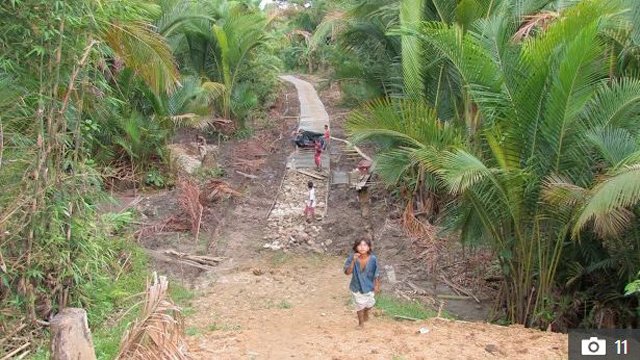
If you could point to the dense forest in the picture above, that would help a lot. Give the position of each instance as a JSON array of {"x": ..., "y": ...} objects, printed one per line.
[{"x": 509, "y": 125}]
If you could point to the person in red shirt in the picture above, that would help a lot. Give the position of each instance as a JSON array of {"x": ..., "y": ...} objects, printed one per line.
[{"x": 317, "y": 157}]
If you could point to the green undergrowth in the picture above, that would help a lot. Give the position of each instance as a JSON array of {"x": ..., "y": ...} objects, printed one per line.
[
  {"x": 394, "y": 308},
  {"x": 112, "y": 298}
]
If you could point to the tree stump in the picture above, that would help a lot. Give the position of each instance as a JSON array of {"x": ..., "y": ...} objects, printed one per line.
[{"x": 70, "y": 336}]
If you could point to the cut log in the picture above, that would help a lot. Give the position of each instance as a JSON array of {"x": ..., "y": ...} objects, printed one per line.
[{"x": 70, "y": 336}]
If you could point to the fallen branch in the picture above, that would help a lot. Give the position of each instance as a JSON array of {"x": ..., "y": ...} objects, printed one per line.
[
  {"x": 252, "y": 177},
  {"x": 16, "y": 351},
  {"x": 275, "y": 199},
  {"x": 160, "y": 256},
  {"x": 315, "y": 176},
  {"x": 459, "y": 289},
  {"x": 200, "y": 259},
  {"x": 158, "y": 333},
  {"x": 354, "y": 147},
  {"x": 405, "y": 318},
  {"x": 453, "y": 297},
  {"x": 416, "y": 288},
  {"x": 215, "y": 189},
  {"x": 189, "y": 200}
]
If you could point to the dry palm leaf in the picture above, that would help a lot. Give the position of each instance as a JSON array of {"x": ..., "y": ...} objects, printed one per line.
[
  {"x": 158, "y": 333},
  {"x": 415, "y": 228},
  {"x": 541, "y": 20},
  {"x": 189, "y": 201},
  {"x": 216, "y": 190}
]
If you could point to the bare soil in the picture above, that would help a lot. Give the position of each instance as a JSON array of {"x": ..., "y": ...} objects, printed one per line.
[
  {"x": 261, "y": 304},
  {"x": 297, "y": 307}
]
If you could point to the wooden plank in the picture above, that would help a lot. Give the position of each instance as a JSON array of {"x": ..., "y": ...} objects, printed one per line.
[
  {"x": 354, "y": 147},
  {"x": 315, "y": 176}
]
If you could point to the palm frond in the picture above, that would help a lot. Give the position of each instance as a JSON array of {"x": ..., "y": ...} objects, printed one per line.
[
  {"x": 616, "y": 105},
  {"x": 158, "y": 333},
  {"x": 608, "y": 202},
  {"x": 462, "y": 170},
  {"x": 143, "y": 50}
]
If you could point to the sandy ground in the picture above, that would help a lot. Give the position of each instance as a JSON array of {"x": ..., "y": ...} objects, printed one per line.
[{"x": 297, "y": 308}]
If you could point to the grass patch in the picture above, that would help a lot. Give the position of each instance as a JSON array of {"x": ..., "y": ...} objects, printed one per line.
[
  {"x": 193, "y": 331},
  {"x": 223, "y": 327},
  {"x": 279, "y": 258},
  {"x": 284, "y": 304},
  {"x": 392, "y": 306}
]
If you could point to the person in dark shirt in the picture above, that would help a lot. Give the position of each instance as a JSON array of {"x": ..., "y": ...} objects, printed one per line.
[{"x": 362, "y": 265}]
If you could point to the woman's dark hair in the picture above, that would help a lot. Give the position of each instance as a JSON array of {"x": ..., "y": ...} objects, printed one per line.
[
  {"x": 368, "y": 241},
  {"x": 310, "y": 184}
]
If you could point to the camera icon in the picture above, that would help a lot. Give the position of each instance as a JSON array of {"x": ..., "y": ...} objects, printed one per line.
[{"x": 593, "y": 346}]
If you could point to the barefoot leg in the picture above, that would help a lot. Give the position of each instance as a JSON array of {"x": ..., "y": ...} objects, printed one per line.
[
  {"x": 365, "y": 315},
  {"x": 360, "y": 318}
]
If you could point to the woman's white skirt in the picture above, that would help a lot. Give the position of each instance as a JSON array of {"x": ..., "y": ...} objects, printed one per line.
[{"x": 363, "y": 301}]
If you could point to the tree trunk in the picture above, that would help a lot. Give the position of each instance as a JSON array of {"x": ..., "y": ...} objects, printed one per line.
[{"x": 70, "y": 336}]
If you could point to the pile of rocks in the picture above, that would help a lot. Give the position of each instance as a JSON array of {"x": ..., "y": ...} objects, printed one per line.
[{"x": 286, "y": 226}]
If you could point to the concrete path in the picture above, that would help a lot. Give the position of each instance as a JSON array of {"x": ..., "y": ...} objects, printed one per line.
[
  {"x": 313, "y": 117},
  {"x": 286, "y": 226}
]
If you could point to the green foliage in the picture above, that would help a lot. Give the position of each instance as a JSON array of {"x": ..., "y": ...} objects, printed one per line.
[
  {"x": 392, "y": 306},
  {"x": 633, "y": 288},
  {"x": 90, "y": 87},
  {"x": 546, "y": 170},
  {"x": 154, "y": 178}
]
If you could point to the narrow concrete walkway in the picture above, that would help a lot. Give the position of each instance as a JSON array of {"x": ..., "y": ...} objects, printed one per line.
[
  {"x": 285, "y": 224},
  {"x": 313, "y": 116}
]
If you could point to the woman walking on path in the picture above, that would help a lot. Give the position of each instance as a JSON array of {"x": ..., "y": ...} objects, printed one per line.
[{"x": 362, "y": 265}]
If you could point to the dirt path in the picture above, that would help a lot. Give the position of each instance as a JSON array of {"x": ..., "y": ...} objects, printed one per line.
[
  {"x": 296, "y": 307},
  {"x": 262, "y": 304}
]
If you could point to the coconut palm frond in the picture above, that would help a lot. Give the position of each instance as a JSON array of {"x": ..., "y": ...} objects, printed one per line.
[
  {"x": 461, "y": 170},
  {"x": 158, "y": 333},
  {"x": 143, "y": 50},
  {"x": 616, "y": 105},
  {"x": 608, "y": 202},
  {"x": 612, "y": 144},
  {"x": 560, "y": 191}
]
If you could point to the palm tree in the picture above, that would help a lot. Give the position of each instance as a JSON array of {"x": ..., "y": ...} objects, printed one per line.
[
  {"x": 547, "y": 107},
  {"x": 218, "y": 48}
]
